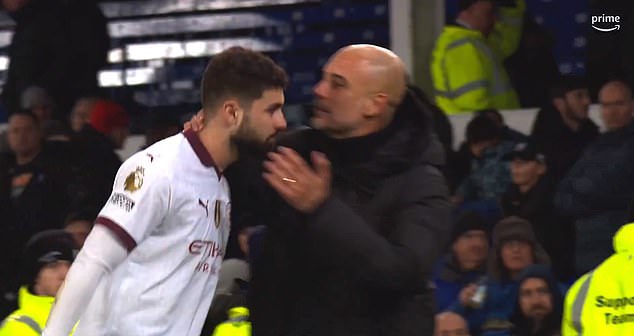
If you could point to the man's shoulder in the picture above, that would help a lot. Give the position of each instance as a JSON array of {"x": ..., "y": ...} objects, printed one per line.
[
  {"x": 158, "y": 160},
  {"x": 454, "y": 34}
]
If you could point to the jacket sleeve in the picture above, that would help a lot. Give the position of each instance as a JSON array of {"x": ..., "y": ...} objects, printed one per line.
[
  {"x": 399, "y": 261},
  {"x": 507, "y": 33}
]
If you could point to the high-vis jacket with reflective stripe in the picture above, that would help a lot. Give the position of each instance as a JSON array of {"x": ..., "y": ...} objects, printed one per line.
[
  {"x": 467, "y": 69},
  {"x": 602, "y": 301},
  {"x": 30, "y": 318}
]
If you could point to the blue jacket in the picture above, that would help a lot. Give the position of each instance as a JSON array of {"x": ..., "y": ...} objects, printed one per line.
[
  {"x": 489, "y": 176},
  {"x": 499, "y": 305},
  {"x": 596, "y": 192},
  {"x": 449, "y": 281}
]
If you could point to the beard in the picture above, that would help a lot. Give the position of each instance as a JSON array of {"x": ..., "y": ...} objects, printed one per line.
[
  {"x": 246, "y": 141},
  {"x": 538, "y": 312}
]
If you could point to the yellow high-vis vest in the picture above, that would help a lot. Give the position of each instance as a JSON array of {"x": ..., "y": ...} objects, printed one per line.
[
  {"x": 467, "y": 69},
  {"x": 237, "y": 325},
  {"x": 31, "y": 318},
  {"x": 602, "y": 301}
]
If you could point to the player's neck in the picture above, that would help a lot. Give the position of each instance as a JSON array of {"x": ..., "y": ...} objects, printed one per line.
[{"x": 218, "y": 145}]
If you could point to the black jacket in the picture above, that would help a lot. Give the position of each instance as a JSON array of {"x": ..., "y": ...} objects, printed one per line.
[
  {"x": 361, "y": 263},
  {"x": 561, "y": 145},
  {"x": 554, "y": 231}
]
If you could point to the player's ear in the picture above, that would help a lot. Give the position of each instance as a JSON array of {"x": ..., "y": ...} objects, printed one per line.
[{"x": 233, "y": 114}]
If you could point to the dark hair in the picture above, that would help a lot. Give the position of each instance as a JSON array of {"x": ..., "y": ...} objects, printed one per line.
[
  {"x": 482, "y": 128},
  {"x": 242, "y": 73},
  {"x": 567, "y": 83},
  {"x": 491, "y": 112}
]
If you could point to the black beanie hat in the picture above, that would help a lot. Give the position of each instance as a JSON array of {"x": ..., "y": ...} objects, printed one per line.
[
  {"x": 468, "y": 221},
  {"x": 44, "y": 248}
]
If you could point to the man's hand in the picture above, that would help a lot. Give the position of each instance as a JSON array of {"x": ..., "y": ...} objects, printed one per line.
[
  {"x": 195, "y": 123},
  {"x": 467, "y": 293},
  {"x": 304, "y": 187}
]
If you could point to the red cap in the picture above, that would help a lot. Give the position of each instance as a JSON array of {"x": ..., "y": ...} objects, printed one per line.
[{"x": 107, "y": 115}]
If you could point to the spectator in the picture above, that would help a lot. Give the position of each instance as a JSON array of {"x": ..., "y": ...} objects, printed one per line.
[
  {"x": 539, "y": 304},
  {"x": 32, "y": 193},
  {"x": 507, "y": 132},
  {"x": 562, "y": 129},
  {"x": 37, "y": 101},
  {"x": 514, "y": 248},
  {"x": 466, "y": 68},
  {"x": 465, "y": 264},
  {"x": 352, "y": 259},
  {"x": 459, "y": 163},
  {"x": 450, "y": 324},
  {"x": 97, "y": 160},
  {"x": 80, "y": 115},
  {"x": 47, "y": 258},
  {"x": 597, "y": 189},
  {"x": 79, "y": 224},
  {"x": 489, "y": 176},
  {"x": 531, "y": 197}
]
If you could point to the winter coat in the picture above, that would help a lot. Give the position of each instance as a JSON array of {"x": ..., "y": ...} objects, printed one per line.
[
  {"x": 361, "y": 263},
  {"x": 596, "y": 192}
]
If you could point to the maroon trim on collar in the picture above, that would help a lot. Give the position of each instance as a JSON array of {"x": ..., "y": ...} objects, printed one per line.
[
  {"x": 200, "y": 150},
  {"x": 118, "y": 231}
]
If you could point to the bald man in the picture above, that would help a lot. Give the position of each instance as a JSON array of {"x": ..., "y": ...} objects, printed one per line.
[
  {"x": 617, "y": 107},
  {"x": 357, "y": 211},
  {"x": 597, "y": 190},
  {"x": 450, "y": 324}
]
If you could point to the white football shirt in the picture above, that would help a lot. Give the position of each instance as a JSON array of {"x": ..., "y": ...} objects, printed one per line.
[{"x": 170, "y": 207}]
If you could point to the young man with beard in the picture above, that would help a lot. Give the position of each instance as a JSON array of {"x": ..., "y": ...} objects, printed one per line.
[
  {"x": 150, "y": 265},
  {"x": 539, "y": 303},
  {"x": 562, "y": 130}
]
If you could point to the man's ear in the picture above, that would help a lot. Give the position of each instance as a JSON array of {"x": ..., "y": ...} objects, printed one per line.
[
  {"x": 233, "y": 113},
  {"x": 377, "y": 103}
]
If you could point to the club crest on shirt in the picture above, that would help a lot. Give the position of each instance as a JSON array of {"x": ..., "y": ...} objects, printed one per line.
[
  {"x": 134, "y": 181},
  {"x": 217, "y": 214}
]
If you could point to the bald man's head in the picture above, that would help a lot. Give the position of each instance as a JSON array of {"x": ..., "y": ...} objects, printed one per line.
[
  {"x": 383, "y": 66},
  {"x": 361, "y": 86},
  {"x": 450, "y": 323},
  {"x": 617, "y": 107}
]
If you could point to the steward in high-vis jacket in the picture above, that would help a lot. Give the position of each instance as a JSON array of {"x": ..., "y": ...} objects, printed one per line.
[
  {"x": 602, "y": 301},
  {"x": 237, "y": 325},
  {"x": 467, "y": 61}
]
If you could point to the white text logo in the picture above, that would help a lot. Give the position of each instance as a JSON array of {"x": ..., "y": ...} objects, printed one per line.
[{"x": 610, "y": 19}]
